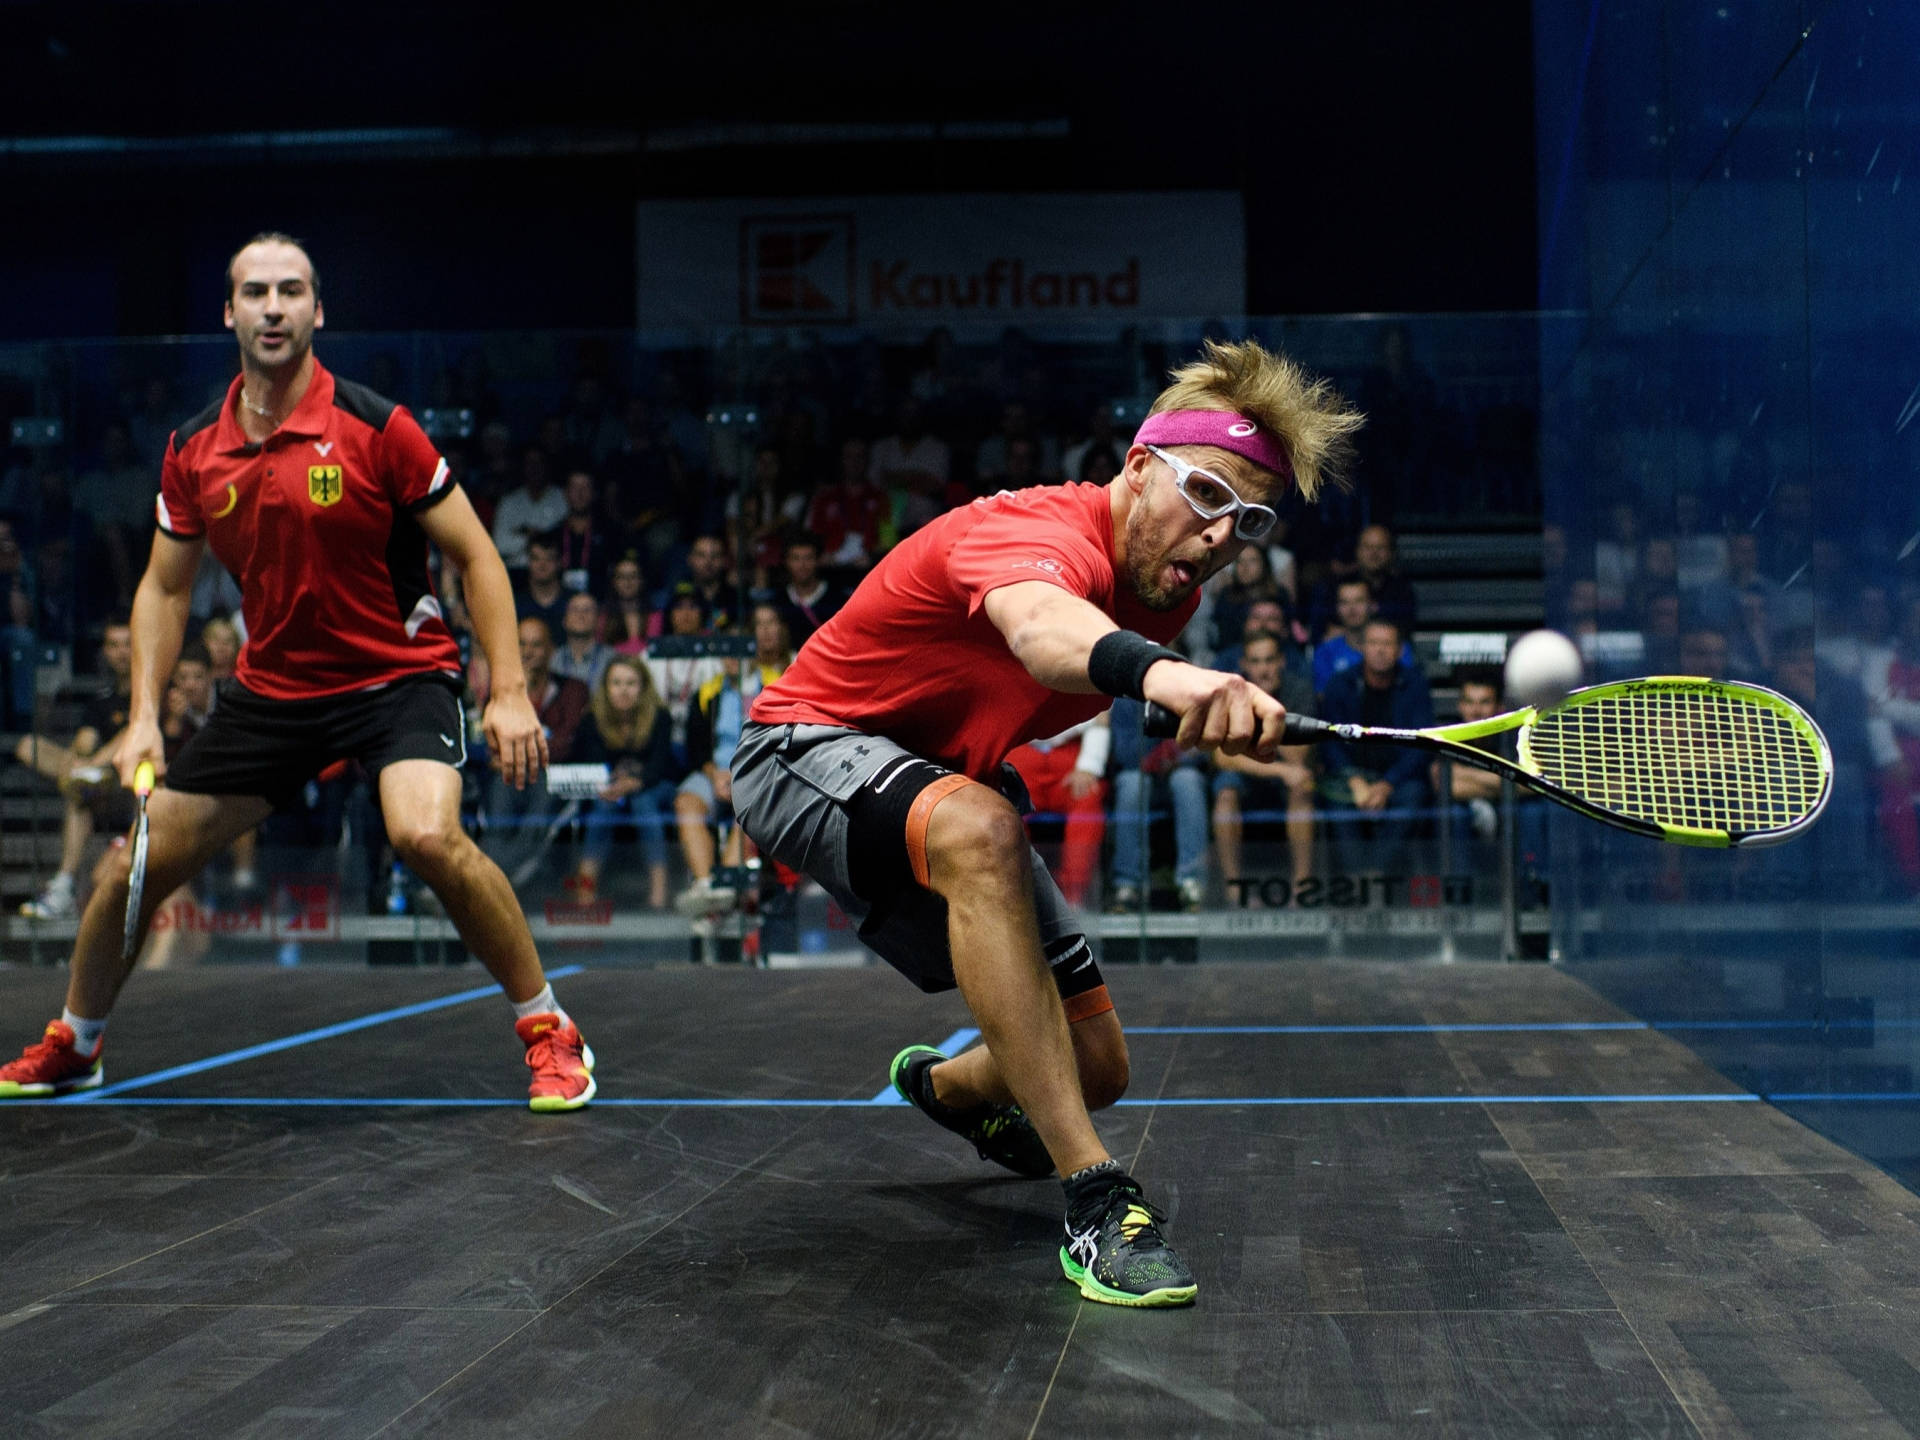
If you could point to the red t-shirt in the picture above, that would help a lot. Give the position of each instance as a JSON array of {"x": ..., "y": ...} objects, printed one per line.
[
  {"x": 317, "y": 525},
  {"x": 913, "y": 656}
]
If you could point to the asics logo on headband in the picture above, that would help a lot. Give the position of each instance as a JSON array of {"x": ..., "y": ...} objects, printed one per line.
[{"x": 1224, "y": 428}]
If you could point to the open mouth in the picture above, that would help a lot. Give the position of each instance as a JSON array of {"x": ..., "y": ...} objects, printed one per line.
[{"x": 1184, "y": 574}]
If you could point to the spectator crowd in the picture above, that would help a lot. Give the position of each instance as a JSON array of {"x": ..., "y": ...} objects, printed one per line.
[{"x": 634, "y": 526}]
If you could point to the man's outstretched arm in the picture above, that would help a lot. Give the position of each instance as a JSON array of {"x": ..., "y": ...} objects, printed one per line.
[{"x": 1053, "y": 633}]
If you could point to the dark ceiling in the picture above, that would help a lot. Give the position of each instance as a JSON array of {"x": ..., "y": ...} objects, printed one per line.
[{"x": 1385, "y": 150}]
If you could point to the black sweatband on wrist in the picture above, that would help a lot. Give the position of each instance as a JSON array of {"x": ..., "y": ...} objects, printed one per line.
[{"x": 1118, "y": 664}]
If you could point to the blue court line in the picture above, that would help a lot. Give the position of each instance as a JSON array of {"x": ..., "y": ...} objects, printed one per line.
[
  {"x": 952, "y": 1045},
  {"x": 441, "y": 1102},
  {"x": 305, "y": 1037}
]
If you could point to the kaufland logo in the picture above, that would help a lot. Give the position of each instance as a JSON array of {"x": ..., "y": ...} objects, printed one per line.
[
  {"x": 804, "y": 270},
  {"x": 1001, "y": 285},
  {"x": 796, "y": 269}
]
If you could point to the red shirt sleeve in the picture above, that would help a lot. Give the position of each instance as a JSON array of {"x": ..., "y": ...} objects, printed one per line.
[
  {"x": 1006, "y": 549},
  {"x": 414, "y": 471},
  {"x": 177, "y": 507}
]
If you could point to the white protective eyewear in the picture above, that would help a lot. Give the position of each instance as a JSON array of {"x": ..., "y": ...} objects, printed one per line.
[{"x": 1211, "y": 497}]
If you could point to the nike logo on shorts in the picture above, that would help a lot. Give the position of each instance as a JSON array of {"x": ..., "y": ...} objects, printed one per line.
[{"x": 449, "y": 742}]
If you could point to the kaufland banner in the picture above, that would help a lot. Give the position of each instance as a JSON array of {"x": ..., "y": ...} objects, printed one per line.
[{"x": 941, "y": 259}]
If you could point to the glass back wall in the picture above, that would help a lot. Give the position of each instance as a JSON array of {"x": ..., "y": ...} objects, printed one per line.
[{"x": 1729, "y": 466}]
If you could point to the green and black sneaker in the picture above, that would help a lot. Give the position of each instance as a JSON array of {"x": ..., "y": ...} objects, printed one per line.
[
  {"x": 1116, "y": 1254},
  {"x": 1001, "y": 1133}
]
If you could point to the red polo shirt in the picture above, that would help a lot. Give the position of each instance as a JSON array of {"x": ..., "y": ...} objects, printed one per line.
[
  {"x": 913, "y": 656},
  {"x": 318, "y": 526}
]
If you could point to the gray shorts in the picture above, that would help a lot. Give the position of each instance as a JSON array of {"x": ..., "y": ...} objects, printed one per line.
[{"x": 803, "y": 792}]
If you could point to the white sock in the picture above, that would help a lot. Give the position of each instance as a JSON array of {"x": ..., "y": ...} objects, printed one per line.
[
  {"x": 86, "y": 1033},
  {"x": 61, "y": 881},
  {"x": 541, "y": 1004}
]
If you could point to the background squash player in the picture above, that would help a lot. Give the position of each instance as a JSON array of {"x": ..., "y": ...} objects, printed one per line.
[
  {"x": 321, "y": 497},
  {"x": 874, "y": 763}
]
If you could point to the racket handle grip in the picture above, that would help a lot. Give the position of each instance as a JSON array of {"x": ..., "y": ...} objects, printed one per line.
[
  {"x": 143, "y": 778},
  {"x": 1163, "y": 724}
]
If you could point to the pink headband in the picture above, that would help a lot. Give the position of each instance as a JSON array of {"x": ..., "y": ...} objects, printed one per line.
[{"x": 1216, "y": 427}]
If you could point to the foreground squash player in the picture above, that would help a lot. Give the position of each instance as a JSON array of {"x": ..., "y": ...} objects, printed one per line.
[{"x": 874, "y": 763}]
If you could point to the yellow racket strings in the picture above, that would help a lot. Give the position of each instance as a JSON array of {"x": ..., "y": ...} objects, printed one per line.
[{"x": 1701, "y": 758}]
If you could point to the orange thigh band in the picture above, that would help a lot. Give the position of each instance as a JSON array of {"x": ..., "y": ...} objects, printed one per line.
[{"x": 921, "y": 815}]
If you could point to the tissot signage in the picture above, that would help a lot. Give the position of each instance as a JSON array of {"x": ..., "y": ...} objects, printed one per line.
[{"x": 940, "y": 259}]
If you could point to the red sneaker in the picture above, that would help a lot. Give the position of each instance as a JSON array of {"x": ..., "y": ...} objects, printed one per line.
[
  {"x": 51, "y": 1067},
  {"x": 562, "y": 1063}
]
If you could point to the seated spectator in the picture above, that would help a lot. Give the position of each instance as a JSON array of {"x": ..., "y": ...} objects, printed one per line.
[
  {"x": 584, "y": 545},
  {"x": 1340, "y": 650},
  {"x": 1376, "y": 790},
  {"x": 627, "y": 729},
  {"x": 681, "y": 678},
  {"x": 913, "y": 467},
  {"x": 1235, "y": 590},
  {"x": 222, "y": 639},
  {"x": 763, "y": 541},
  {"x": 537, "y": 592},
  {"x": 713, "y": 733},
  {"x": 808, "y": 601},
  {"x": 1142, "y": 770},
  {"x": 1470, "y": 799},
  {"x": 582, "y": 655},
  {"x": 1269, "y": 617},
  {"x": 1101, "y": 440},
  {"x": 1703, "y": 651},
  {"x": 1718, "y": 603},
  {"x": 994, "y": 456},
  {"x": 531, "y": 508},
  {"x": 1243, "y": 785},
  {"x": 627, "y": 620},
  {"x": 193, "y": 677},
  {"x": 1021, "y": 472},
  {"x": 1064, "y": 776},
  {"x": 1097, "y": 466},
  {"x": 103, "y": 716},
  {"x": 1373, "y": 562},
  {"x": 520, "y": 823},
  {"x": 847, "y": 515},
  {"x": 706, "y": 579}
]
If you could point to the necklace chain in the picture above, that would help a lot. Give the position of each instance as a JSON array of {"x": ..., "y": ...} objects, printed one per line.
[{"x": 260, "y": 410}]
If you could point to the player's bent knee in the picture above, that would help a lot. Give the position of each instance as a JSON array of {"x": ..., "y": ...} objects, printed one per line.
[
  {"x": 427, "y": 849},
  {"x": 974, "y": 828}
]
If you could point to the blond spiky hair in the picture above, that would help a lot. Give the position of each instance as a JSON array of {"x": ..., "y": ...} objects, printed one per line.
[{"x": 1312, "y": 420}]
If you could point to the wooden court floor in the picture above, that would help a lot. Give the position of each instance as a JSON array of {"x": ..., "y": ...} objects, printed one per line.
[{"x": 311, "y": 1203}]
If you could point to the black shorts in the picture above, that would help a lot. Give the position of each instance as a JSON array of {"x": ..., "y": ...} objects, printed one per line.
[{"x": 255, "y": 746}]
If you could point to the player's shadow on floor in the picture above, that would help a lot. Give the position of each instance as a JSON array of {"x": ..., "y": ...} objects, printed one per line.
[{"x": 990, "y": 1205}]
